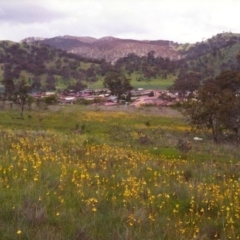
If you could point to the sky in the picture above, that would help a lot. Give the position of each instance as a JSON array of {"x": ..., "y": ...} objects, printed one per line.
[{"x": 182, "y": 21}]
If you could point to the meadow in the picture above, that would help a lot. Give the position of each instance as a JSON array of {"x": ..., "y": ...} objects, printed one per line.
[
  {"x": 151, "y": 83},
  {"x": 89, "y": 172}
]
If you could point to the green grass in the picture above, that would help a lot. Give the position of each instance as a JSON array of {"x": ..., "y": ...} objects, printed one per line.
[
  {"x": 87, "y": 172},
  {"x": 95, "y": 85},
  {"x": 154, "y": 83},
  {"x": 85, "y": 65}
]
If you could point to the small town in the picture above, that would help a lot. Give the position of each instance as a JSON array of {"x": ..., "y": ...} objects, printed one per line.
[{"x": 138, "y": 97}]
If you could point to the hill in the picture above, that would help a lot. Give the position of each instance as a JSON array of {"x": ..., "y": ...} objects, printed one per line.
[
  {"x": 208, "y": 57},
  {"x": 45, "y": 67},
  {"x": 212, "y": 56},
  {"x": 110, "y": 48},
  {"x": 48, "y": 68},
  {"x": 78, "y": 62}
]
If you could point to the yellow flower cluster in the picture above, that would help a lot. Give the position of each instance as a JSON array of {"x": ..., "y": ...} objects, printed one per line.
[{"x": 144, "y": 190}]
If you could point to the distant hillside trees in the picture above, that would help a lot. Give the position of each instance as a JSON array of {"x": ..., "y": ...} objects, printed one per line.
[
  {"x": 42, "y": 64},
  {"x": 36, "y": 60},
  {"x": 149, "y": 66}
]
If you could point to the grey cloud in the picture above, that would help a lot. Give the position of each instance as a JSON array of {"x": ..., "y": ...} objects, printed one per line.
[
  {"x": 27, "y": 12},
  {"x": 181, "y": 21}
]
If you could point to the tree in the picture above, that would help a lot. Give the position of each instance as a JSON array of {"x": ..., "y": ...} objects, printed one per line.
[
  {"x": 36, "y": 83},
  {"x": 78, "y": 86},
  {"x": 217, "y": 106},
  {"x": 20, "y": 96},
  {"x": 117, "y": 83},
  {"x": 9, "y": 87},
  {"x": 50, "y": 100},
  {"x": 186, "y": 82},
  {"x": 50, "y": 83}
]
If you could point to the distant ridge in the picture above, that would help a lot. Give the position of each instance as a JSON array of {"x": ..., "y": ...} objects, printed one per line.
[
  {"x": 210, "y": 56},
  {"x": 110, "y": 48},
  {"x": 32, "y": 39}
]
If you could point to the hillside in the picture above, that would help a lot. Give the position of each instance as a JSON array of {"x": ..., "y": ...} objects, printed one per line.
[
  {"x": 208, "y": 57},
  {"x": 212, "y": 56},
  {"x": 110, "y": 48},
  {"x": 85, "y": 173},
  {"x": 48, "y": 68},
  {"x": 44, "y": 67},
  {"x": 80, "y": 62}
]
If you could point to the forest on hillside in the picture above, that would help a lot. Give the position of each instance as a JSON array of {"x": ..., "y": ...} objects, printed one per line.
[{"x": 48, "y": 68}]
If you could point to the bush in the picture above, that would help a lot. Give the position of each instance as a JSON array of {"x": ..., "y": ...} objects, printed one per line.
[
  {"x": 184, "y": 147},
  {"x": 151, "y": 94},
  {"x": 50, "y": 100},
  {"x": 85, "y": 101}
]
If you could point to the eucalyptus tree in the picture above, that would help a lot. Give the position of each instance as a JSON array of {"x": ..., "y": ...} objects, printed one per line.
[
  {"x": 217, "y": 107},
  {"x": 117, "y": 83}
]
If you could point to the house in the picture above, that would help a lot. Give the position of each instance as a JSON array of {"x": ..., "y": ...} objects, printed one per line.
[
  {"x": 110, "y": 103},
  {"x": 67, "y": 100},
  {"x": 145, "y": 100},
  {"x": 46, "y": 94},
  {"x": 36, "y": 95}
]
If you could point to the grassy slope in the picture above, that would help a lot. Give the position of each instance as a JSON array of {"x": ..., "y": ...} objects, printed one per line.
[
  {"x": 157, "y": 83},
  {"x": 113, "y": 173}
]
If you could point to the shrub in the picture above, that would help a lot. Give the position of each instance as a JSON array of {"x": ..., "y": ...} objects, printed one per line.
[
  {"x": 50, "y": 100},
  {"x": 184, "y": 146}
]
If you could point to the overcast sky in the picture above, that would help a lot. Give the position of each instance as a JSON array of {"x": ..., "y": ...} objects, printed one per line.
[{"x": 183, "y": 21}]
